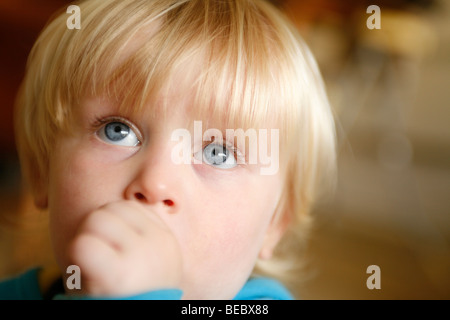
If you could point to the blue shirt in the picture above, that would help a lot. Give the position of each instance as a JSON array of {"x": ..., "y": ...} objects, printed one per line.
[{"x": 26, "y": 287}]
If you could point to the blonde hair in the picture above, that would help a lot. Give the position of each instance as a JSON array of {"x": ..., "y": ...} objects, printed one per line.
[{"x": 254, "y": 69}]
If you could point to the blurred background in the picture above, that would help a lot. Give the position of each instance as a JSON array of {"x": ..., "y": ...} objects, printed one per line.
[{"x": 390, "y": 92}]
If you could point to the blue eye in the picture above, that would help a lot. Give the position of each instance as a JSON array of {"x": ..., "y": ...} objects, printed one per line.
[
  {"x": 118, "y": 133},
  {"x": 219, "y": 156}
]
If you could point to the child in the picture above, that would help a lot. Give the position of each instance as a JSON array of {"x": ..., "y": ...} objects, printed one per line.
[{"x": 96, "y": 121}]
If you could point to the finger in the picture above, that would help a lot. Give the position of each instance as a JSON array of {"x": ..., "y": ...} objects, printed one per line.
[
  {"x": 95, "y": 257},
  {"x": 111, "y": 228},
  {"x": 141, "y": 218}
]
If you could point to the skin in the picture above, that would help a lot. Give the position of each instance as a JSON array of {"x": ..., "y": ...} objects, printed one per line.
[{"x": 134, "y": 221}]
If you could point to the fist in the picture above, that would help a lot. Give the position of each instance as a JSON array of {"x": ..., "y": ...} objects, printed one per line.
[{"x": 124, "y": 249}]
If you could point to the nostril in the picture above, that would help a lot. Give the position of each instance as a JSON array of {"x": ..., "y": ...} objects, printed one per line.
[
  {"x": 168, "y": 202},
  {"x": 139, "y": 196}
]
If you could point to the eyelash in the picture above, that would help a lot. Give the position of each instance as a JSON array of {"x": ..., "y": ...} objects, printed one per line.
[
  {"x": 231, "y": 147},
  {"x": 100, "y": 122}
]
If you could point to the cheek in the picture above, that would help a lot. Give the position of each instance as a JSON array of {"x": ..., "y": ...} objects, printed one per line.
[
  {"x": 229, "y": 239},
  {"x": 85, "y": 173},
  {"x": 67, "y": 199},
  {"x": 79, "y": 182},
  {"x": 73, "y": 180},
  {"x": 241, "y": 233}
]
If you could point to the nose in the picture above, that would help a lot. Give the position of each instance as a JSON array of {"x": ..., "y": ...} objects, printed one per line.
[{"x": 156, "y": 181}]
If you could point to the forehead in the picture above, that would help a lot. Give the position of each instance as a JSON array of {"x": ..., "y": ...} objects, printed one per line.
[
  {"x": 187, "y": 85},
  {"x": 219, "y": 71}
]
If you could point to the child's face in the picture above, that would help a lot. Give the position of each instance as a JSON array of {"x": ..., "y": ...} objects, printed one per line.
[{"x": 220, "y": 218}]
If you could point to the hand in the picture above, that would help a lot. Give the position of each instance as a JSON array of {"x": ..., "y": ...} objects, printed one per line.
[{"x": 124, "y": 249}]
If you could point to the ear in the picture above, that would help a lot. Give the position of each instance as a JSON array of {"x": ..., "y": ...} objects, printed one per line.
[
  {"x": 41, "y": 199},
  {"x": 40, "y": 192},
  {"x": 275, "y": 231}
]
